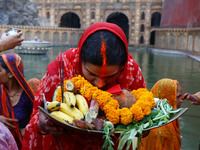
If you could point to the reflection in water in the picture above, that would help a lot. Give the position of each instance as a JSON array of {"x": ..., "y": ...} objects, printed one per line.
[
  {"x": 155, "y": 66},
  {"x": 186, "y": 70},
  {"x": 36, "y": 65}
]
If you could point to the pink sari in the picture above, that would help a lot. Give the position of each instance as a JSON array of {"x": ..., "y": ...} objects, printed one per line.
[{"x": 131, "y": 78}]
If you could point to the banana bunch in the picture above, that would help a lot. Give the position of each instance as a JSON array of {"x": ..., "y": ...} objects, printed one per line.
[{"x": 74, "y": 106}]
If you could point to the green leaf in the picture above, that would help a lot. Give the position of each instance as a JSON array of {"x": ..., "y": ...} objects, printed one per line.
[
  {"x": 154, "y": 112},
  {"x": 132, "y": 134},
  {"x": 108, "y": 143},
  {"x": 123, "y": 140},
  {"x": 128, "y": 144}
]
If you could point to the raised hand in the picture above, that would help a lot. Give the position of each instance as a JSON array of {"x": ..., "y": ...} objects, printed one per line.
[
  {"x": 10, "y": 42},
  {"x": 194, "y": 99}
]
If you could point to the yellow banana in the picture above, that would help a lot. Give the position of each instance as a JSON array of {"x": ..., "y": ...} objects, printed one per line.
[
  {"x": 52, "y": 106},
  {"x": 62, "y": 117},
  {"x": 70, "y": 99},
  {"x": 73, "y": 112},
  {"x": 81, "y": 103}
]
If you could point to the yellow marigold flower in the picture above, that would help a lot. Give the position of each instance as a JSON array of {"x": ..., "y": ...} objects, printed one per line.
[
  {"x": 85, "y": 89},
  {"x": 146, "y": 111},
  {"x": 148, "y": 99},
  {"x": 102, "y": 101},
  {"x": 89, "y": 92},
  {"x": 111, "y": 104},
  {"x": 137, "y": 112},
  {"x": 126, "y": 116},
  {"x": 113, "y": 115},
  {"x": 59, "y": 95},
  {"x": 107, "y": 108},
  {"x": 96, "y": 94},
  {"x": 78, "y": 84},
  {"x": 137, "y": 93},
  {"x": 74, "y": 79}
]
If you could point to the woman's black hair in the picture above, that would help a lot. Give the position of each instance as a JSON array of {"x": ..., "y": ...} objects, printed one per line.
[
  {"x": 3, "y": 64},
  {"x": 116, "y": 53}
]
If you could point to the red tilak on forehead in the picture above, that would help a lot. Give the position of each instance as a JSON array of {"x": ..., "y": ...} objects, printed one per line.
[{"x": 103, "y": 53}]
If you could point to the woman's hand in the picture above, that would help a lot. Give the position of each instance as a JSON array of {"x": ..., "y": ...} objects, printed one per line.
[
  {"x": 8, "y": 122},
  {"x": 47, "y": 126},
  {"x": 194, "y": 100},
  {"x": 10, "y": 42}
]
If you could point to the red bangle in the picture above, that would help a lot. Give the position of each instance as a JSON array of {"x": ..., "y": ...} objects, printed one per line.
[{"x": 41, "y": 132}]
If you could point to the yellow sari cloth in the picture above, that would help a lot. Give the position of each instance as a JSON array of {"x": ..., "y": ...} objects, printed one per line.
[{"x": 168, "y": 136}]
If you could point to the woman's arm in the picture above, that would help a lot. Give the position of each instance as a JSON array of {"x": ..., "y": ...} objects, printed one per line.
[{"x": 195, "y": 98}]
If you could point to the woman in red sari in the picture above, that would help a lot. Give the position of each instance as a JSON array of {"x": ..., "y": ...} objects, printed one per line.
[
  {"x": 16, "y": 97},
  {"x": 168, "y": 136},
  {"x": 102, "y": 58}
]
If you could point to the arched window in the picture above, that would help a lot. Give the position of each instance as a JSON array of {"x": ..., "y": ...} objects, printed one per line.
[
  {"x": 141, "y": 40},
  {"x": 121, "y": 20},
  {"x": 142, "y": 28},
  {"x": 48, "y": 15},
  {"x": 92, "y": 15},
  {"x": 155, "y": 19},
  {"x": 143, "y": 16},
  {"x": 70, "y": 20}
]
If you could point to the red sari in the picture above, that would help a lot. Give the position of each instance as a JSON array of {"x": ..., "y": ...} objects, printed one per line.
[
  {"x": 168, "y": 136},
  {"x": 131, "y": 78},
  {"x": 15, "y": 65}
]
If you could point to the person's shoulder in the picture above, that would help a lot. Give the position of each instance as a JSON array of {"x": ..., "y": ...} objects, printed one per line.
[{"x": 131, "y": 61}]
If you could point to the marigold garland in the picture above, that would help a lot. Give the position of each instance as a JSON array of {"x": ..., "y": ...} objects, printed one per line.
[{"x": 145, "y": 102}]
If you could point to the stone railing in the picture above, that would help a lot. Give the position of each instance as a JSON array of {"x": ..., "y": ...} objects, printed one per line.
[
  {"x": 55, "y": 35},
  {"x": 180, "y": 39}
]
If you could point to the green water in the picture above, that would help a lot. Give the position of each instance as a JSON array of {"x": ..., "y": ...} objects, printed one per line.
[
  {"x": 186, "y": 70},
  {"x": 154, "y": 66}
]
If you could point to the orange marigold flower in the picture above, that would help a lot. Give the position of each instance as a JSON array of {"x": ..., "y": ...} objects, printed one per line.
[
  {"x": 89, "y": 92},
  {"x": 102, "y": 101},
  {"x": 146, "y": 111},
  {"x": 137, "y": 93},
  {"x": 113, "y": 115},
  {"x": 59, "y": 95},
  {"x": 107, "y": 108},
  {"x": 112, "y": 103},
  {"x": 137, "y": 112},
  {"x": 96, "y": 94},
  {"x": 126, "y": 116},
  {"x": 74, "y": 79}
]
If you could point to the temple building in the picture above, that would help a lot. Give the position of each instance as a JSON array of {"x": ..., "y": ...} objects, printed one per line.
[
  {"x": 179, "y": 27},
  {"x": 135, "y": 17}
]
